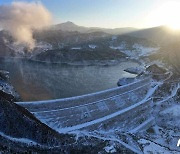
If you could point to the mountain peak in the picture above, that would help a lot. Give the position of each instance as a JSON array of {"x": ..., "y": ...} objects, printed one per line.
[{"x": 68, "y": 23}]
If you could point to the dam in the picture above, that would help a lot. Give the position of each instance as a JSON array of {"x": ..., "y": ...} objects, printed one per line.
[{"x": 127, "y": 108}]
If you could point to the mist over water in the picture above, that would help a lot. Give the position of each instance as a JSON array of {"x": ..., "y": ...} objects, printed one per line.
[
  {"x": 21, "y": 18},
  {"x": 39, "y": 81}
]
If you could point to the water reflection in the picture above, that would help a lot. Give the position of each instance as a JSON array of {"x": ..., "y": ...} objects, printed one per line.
[{"x": 39, "y": 81}]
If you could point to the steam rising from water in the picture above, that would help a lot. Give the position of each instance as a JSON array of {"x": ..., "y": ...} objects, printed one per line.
[{"x": 20, "y": 18}]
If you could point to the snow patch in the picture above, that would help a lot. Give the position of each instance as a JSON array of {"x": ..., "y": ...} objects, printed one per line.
[
  {"x": 122, "y": 46},
  {"x": 110, "y": 149},
  {"x": 174, "y": 110},
  {"x": 92, "y": 46},
  {"x": 76, "y": 48},
  {"x": 136, "y": 50},
  {"x": 150, "y": 147},
  {"x": 22, "y": 140},
  {"x": 44, "y": 46}
]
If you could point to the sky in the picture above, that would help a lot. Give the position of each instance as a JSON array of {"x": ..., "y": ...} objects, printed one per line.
[{"x": 107, "y": 13}]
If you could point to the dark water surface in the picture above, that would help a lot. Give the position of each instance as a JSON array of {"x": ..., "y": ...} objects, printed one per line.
[{"x": 40, "y": 81}]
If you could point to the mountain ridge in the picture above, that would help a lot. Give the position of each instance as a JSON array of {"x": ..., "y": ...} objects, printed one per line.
[{"x": 70, "y": 26}]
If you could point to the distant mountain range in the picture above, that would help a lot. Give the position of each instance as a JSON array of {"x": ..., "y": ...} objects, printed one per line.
[
  {"x": 159, "y": 35},
  {"x": 70, "y": 26}
]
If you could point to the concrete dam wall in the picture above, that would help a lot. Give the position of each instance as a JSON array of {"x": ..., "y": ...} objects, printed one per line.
[{"x": 127, "y": 108}]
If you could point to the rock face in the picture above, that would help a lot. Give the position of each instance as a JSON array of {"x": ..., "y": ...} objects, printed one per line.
[
  {"x": 4, "y": 75},
  {"x": 134, "y": 70},
  {"x": 124, "y": 81},
  {"x": 6, "y": 90},
  {"x": 157, "y": 72},
  {"x": 155, "y": 69}
]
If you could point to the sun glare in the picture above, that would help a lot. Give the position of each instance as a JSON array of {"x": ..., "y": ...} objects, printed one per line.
[{"x": 167, "y": 14}]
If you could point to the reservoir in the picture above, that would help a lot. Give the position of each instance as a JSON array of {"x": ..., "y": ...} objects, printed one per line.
[{"x": 42, "y": 81}]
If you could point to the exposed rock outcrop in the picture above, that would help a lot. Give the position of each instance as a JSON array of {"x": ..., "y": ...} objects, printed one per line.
[
  {"x": 155, "y": 69},
  {"x": 124, "y": 81}
]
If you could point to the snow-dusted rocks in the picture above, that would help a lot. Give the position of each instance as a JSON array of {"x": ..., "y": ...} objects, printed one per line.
[
  {"x": 134, "y": 70},
  {"x": 125, "y": 81},
  {"x": 4, "y": 75},
  {"x": 7, "y": 90},
  {"x": 155, "y": 69},
  {"x": 110, "y": 149}
]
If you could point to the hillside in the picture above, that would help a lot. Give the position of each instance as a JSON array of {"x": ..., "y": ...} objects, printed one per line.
[
  {"x": 161, "y": 35},
  {"x": 170, "y": 55},
  {"x": 77, "y": 47}
]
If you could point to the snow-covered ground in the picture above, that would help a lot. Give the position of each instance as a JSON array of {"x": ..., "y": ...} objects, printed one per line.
[
  {"x": 21, "y": 140},
  {"x": 136, "y": 50},
  {"x": 20, "y": 48},
  {"x": 44, "y": 46},
  {"x": 151, "y": 147},
  {"x": 110, "y": 149},
  {"x": 144, "y": 51},
  {"x": 174, "y": 111}
]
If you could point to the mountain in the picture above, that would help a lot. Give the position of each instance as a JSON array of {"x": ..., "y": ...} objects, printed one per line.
[
  {"x": 169, "y": 54},
  {"x": 70, "y": 26},
  {"x": 161, "y": 35},
  {"x": 72, "y": 46},
  {"x": 59, "y": 38}
]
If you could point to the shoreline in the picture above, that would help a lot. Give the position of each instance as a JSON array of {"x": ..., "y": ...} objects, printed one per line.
[{"x": 75, "y": 63}]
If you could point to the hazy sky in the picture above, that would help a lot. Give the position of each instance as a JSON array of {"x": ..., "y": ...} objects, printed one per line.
[{"x": 104, "y": 13}]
